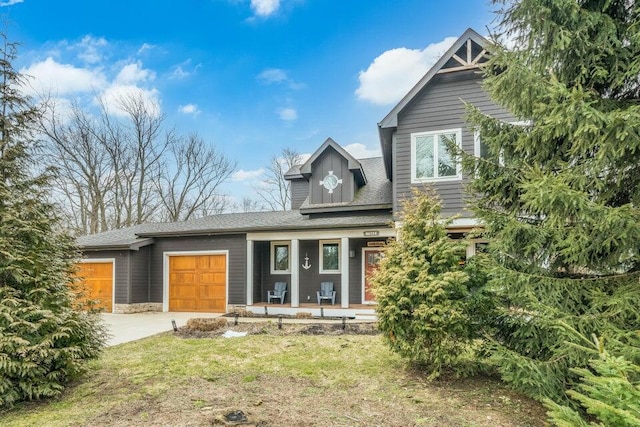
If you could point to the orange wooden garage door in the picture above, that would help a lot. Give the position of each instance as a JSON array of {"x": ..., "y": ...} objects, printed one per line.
[
  {"x": 98, "y": 283},
  {"x": 198, "y": 283}
]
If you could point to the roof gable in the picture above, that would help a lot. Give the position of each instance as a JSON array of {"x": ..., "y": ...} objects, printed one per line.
[
  {"x": 470, "y": 45},
  {"x": 466, "y": 53},
  {"x": 353, "y": 164}
]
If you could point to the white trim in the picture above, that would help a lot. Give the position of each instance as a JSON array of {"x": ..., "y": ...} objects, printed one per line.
[
  {"x": 343, "y": 250},
  {"x": 329, "y": 234},
  {"x": 364, "y": 271},
  {"x": 295, "y": 272},
  {"x": 165, "y": 273},
  {"x": 456, "y": 223},
  {"x": 321, "y": 269},
  {"x": 464, "y": 222},
  {"x": 471, "y": 249},
  {"x": 249, "y": 282},
  {"x": 113, "y": 275},
  {"x": 286, "y": 243},
  {"x": 435, "y": 134}
]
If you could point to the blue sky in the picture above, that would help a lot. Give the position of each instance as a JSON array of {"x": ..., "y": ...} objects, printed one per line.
[{"x": 250, "y": 76}]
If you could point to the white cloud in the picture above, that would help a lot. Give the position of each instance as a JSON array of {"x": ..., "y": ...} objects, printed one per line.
[
  {"x": 288, "y": 114},
  {"x": 145, "y": 47},
  {"x": 189, "y": 109},
  {"x": 62, "y": 79},
  {"x": 184, "y": 70},
  {"x": 278, "y": 76},
  {"x": 273, "y": 75},
  {"x": 134, "y": 73},
  {"x": 392, "y": 74},
  {"x": 361, "y": 151},
  {"x": 179, "y": 73},
  {"x": 265, "y": 8},
  {"x": 243, "y": 175},
  {"x": 10, "y": 3},
  {"x": 115, "y": 94},
  {"x": 89, "y": 48}
]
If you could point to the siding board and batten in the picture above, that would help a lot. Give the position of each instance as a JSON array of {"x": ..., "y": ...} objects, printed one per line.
[{"x": 439, "y": 106}]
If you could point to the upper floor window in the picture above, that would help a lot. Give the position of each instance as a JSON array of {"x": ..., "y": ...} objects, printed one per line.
[
  {"x": 330, "y": 256},
  {"x": 280, "y": 258},
  {"x": 431, "y": 159}
]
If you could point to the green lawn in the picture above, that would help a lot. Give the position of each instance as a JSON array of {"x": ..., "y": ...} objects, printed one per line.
[{"x": 276, "y": 381}]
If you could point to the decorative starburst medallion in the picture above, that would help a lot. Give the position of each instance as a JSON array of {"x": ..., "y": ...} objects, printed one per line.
[{"x": 330, "y": 182}]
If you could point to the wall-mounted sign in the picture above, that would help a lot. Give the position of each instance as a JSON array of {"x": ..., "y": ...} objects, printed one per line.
[
  {"x": 376, "y": 244},
  {"x": 371, "y": 233}
]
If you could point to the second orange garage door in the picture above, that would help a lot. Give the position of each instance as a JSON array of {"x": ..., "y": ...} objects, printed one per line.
[{"x": 198, "y": 283}]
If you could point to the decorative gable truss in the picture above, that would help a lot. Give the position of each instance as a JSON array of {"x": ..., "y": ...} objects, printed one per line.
[{"x": 470, "y": 55}]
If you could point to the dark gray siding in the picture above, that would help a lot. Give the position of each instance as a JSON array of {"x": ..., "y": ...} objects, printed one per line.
[
  {"x": 139, "y": 275},
  {"x": 121, "y": 272},
  {"x": 299, "y": 192},
  {"x": 440, "y": 106},
  {"x": 260, "y": 250},
  {"x": 310, "y": 279},
  {"x": 331, "y": 160},
  {"x": 235, "y": 244},
  {"x": 268, "y": 280}
]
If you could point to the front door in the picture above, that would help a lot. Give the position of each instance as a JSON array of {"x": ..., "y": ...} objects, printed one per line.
[{"x": 371, "y": 259}]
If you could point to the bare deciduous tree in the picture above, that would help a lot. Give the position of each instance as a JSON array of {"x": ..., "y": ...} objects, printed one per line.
[
  {"x": 118, "y": 170},
  {"x": 190, "y": 179},
  {"x": 274, "y": 190}
]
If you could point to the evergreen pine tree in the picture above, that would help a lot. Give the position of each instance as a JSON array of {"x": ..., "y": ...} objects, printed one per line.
[
  {"x": 423, "y": 294},
  {"x": 560, "y": 196},
  {"x": 43, "y": 340}
]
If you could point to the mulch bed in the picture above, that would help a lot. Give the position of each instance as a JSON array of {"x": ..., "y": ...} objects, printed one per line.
[{"x": 272, "y": 328}]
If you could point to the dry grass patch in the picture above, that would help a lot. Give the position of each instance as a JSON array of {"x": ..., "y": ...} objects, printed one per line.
[
  {"x": 303, "y": 315},
  {"x": 206, "y": 324},
  {"x": 274, "y": 380}
]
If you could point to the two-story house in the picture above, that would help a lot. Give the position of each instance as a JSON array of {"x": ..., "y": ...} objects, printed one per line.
[{"x": 343, "y": 211}]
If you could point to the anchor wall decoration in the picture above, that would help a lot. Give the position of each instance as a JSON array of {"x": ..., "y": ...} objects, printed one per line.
[{"x": 306, "y": 264}]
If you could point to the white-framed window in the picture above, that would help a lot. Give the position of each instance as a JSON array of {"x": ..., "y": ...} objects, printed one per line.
[
  {"x": 431, "y": 160},
  {"x": 280, "y": 260},
  {"x": 329, "y": 256}
]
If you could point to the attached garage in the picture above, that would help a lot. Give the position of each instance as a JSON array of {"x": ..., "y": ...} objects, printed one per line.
[
  {"x": 197, "y": 282},
  {"x": 97, "y": 276}
]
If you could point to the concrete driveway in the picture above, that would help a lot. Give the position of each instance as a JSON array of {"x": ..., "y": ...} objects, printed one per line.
[{"x": 130, "y": 327}]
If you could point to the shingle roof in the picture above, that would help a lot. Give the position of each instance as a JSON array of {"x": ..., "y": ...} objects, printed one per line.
[
  {"x": 122, "y": 238},
  {"x": 228, "y": 223},
  {"x": 377, "y": 194}
]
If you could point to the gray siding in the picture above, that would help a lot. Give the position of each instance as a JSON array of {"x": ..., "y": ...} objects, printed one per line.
[
  {"x": 259, "y": 251},
  {"x": 139, "y": 275},
  {"x": 331, "y": 160},
  {"x": 235, "y": 244},
  {"x": 440, "y": 106},
  {"x": 121, "y": 272},
  {"x": 309, "y": 279},
  {"x": 268, "y": 280},
  {"x": 299, "y": 192}
]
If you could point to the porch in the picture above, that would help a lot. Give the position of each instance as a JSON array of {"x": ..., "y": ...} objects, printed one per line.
[{"x": 305, "y": 260}]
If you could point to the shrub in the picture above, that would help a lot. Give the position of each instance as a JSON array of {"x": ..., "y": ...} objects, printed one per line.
[{"x": 423, "y": 292}]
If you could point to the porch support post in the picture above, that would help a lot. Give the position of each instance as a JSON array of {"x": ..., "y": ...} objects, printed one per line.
[
  {"x": 344, "y": 272},
  {"x": 295, "y": 273},
  {"x": 249, "y": 272}
]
